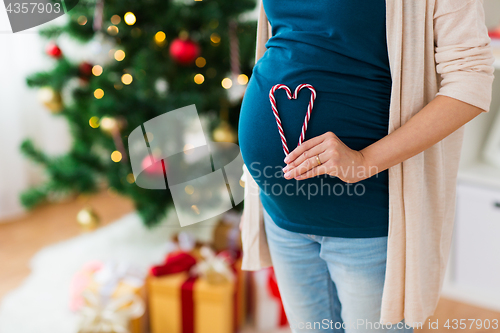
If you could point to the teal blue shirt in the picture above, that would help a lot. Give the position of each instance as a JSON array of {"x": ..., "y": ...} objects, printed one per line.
[{"x": 340, "y": 48}]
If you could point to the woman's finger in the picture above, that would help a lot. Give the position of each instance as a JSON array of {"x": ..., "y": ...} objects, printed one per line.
[
  {"x": 306, "y": 145},
  {"x": 312, "y": 173},
  {"x": 310, "y": 165},
  {"x": 313, "y": 151}
]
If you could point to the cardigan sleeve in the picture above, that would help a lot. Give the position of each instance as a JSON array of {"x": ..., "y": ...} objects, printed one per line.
[
  {"x": 264, "y": 32},
  {"x": 464, "y": 58}
]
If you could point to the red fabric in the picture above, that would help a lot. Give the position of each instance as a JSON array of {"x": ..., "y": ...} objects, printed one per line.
[
  {"x": 273, "y": 289},
  {"x": 494, "y": 34},
  {"x": 187, "y": 305},
  {"x": 176, "y": 262}
]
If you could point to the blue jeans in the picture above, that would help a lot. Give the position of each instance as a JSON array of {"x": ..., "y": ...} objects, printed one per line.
[{"x": 330, "y": 284}]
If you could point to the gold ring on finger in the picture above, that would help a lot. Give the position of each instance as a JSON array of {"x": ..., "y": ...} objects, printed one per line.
[{"x": 317, "y": 159}]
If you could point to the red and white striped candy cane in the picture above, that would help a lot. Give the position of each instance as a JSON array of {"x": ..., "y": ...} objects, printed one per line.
[{"x": 290, "y": 96}]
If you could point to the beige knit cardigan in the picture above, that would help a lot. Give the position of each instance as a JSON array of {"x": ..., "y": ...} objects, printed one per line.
[{"x": 436, "y": 47}]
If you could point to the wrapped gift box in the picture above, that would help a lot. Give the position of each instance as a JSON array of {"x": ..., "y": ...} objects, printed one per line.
[
  {"x": 123, "y": 291},
  {"x": 180, "y": 303},
  {"x": 266, "y": 307},
  {"x": 110, "y": 298}
]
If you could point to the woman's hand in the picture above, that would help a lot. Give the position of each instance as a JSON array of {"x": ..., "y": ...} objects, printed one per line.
[{"x": 335, "y": 157}]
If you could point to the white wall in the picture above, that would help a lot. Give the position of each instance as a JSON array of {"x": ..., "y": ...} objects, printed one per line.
[
  {"x": 492, "y": 9},
  {"x": 21, "y": 115}
]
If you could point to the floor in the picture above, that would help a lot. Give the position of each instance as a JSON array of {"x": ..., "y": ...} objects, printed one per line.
[{"x": 22, "y": 237}]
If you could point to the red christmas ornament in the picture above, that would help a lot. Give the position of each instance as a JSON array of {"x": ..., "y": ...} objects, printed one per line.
[
  {"x": 184, "y": 51},
  {"x": 53, "y": 50},
  {"x": 85, "y": 69},
  {"x": 152, "y": 169}
]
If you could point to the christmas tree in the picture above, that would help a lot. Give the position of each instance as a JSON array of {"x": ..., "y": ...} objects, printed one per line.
[{"x": 150, "y": 57}]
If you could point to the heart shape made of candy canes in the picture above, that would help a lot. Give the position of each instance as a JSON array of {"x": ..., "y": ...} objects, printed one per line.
[{"x": 290, "y": 96}]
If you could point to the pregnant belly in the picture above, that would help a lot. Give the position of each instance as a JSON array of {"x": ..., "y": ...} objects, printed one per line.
[{"x": 355, "y": 118}]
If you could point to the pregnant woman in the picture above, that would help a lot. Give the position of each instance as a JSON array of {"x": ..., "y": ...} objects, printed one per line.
[{"x": 334, "y": 215}]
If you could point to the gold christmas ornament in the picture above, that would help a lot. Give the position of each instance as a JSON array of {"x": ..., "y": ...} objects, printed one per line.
[
  {"x": 113, "y": 30},
  {"x": 224, "y": 133},
  {"x": 87, "y": 219},
  {"x": 51, "y": 99}
]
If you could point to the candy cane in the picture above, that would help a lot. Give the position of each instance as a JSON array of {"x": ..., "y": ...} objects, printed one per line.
[{"x": 290, "y": 96}]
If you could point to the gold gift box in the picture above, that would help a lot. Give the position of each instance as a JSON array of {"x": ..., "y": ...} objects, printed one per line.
[{"x": 213, "y": 303}]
